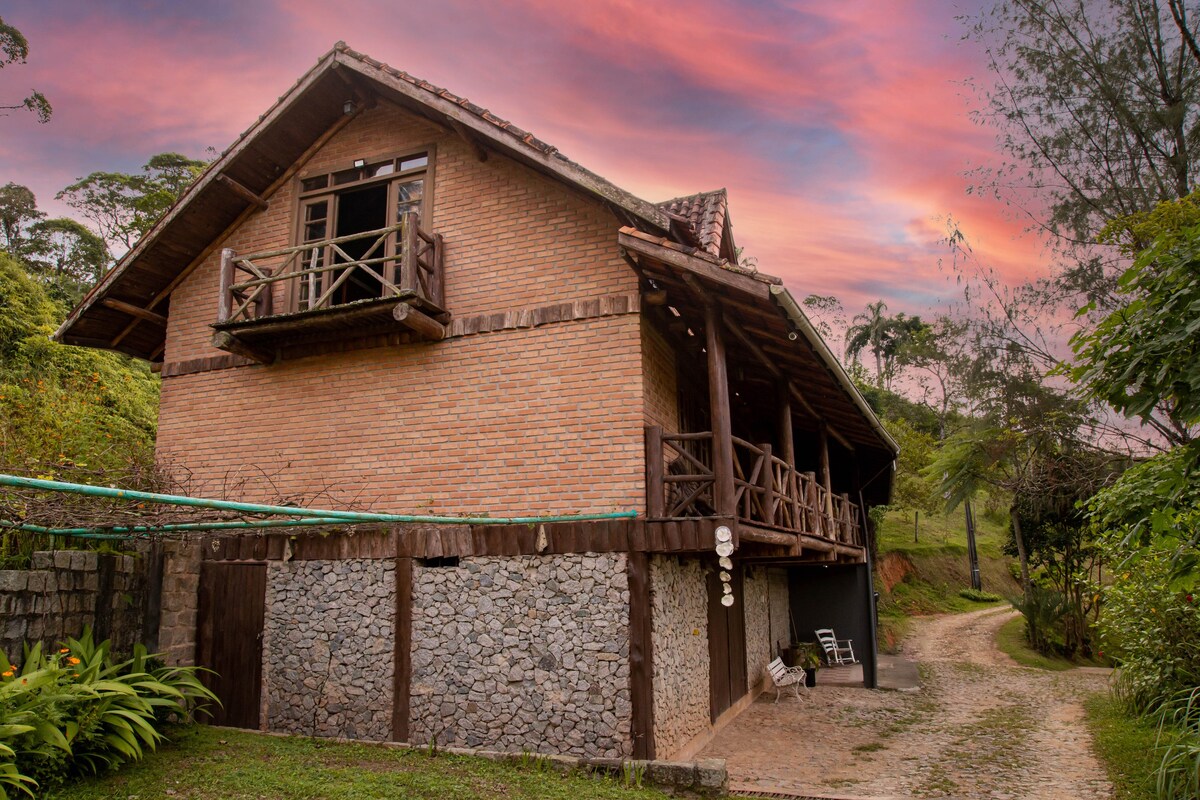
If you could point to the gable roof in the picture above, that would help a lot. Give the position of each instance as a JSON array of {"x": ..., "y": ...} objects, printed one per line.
[
  {"x": 707, "y": 217},
  {"x": 126, "y": 310}
]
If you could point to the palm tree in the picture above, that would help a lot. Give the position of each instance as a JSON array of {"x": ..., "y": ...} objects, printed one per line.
[{"x": 870, "y": 331}]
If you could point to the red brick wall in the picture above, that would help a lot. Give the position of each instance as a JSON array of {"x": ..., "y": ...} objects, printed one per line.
[
  {"x": 545, "y": 420},
  {"x": 659, "y": 380}
]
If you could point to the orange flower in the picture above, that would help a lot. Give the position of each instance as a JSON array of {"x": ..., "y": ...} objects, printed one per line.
[
  {"x": 72, "y": 660},
  {"x": 65, "y": 650}
]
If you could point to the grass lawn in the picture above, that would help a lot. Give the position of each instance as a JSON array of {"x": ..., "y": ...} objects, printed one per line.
[
  {"x": 203, "y": 763},
  {"x": 1010, "y": 639},
  {"x": 1126, "y": 746}
]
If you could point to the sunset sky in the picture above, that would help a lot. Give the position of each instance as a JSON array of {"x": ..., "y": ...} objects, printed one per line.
[{"x": 842, "y": 130}]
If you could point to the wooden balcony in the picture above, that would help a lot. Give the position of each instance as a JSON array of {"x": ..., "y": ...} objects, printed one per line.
[
  {"x": 375, "y": 282},
  {"x": 769, "y": 494}
]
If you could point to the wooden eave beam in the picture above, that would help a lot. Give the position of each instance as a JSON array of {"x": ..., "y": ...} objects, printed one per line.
[
  {"x": 231, "y": 344},
  {"x": 472, "y": 141},
  {"x": 696, "y": 266},
  {"x": 134, "y": 311},
  {"x": 242, "y": 192}
]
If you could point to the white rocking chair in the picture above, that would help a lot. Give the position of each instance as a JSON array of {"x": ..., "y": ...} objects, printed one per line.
[
  {"x": 837, "y": 651},
  {"x": 787, "y": 676}
]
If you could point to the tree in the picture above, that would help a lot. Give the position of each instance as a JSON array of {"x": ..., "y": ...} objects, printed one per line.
[
  {"x": 885, "y": 336},
  {"x": 14, "y": 49},
  {"x": 124, "y": 206},
  {"x": 938, "y": 353},
  {"x": 1096, "y": 102},
  {"x": 66, "y": 257},
  {"x": 18, "y": 209}
]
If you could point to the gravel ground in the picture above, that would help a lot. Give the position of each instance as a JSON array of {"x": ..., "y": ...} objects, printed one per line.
[{"x": 981, "y": 727}]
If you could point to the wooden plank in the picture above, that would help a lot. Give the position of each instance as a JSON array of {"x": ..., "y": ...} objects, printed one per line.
[
  {"x": 402, "y": 651},
  {"x": 673, "y": 539},
  {"x": 223, "y": 340},
  {"x": 641, "y": 655}
]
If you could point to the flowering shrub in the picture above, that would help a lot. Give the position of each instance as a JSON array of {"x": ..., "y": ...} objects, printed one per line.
[{"x": 77, "y": 711}]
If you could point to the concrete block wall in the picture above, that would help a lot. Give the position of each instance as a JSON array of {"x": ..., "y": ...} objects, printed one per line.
[{"x": 66, "y": 590}]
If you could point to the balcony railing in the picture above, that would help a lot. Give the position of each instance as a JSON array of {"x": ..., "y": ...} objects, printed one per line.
[
  {"x": 400, "y": 261},
  {"x": 767, "y": 490}
]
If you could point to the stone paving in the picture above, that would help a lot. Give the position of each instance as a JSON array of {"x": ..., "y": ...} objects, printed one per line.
[{"x": 981, "y": 727}]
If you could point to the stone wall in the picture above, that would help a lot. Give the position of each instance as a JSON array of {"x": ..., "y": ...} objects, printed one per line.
[
  {"x": 180, "y": 601},
  {"x": 756, "y": 606},
  {"x": 526, "y": 653},
  {"x": 781, "y": 609},
  {"x": 328, "y": 641},
  {"x": 68, "y": 589},
  {"x": 679, "y": 619}
]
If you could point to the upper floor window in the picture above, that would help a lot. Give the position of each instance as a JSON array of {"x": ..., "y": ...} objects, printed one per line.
[{"x": 342, "y": 209}]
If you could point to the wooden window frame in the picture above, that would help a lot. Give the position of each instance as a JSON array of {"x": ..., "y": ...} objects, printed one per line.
[{"x": 330, "y": 192}]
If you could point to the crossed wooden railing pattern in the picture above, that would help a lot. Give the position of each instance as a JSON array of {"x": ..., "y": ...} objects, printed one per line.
[
  {"x": 402, "y": 259},
  {"x": 767, "y": 489}
]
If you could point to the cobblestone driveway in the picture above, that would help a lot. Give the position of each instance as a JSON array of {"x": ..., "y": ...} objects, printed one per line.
[{"x": 981, "y": 727}]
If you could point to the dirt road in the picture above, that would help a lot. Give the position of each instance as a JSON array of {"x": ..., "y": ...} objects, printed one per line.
[{"x": 981, "y": 727}]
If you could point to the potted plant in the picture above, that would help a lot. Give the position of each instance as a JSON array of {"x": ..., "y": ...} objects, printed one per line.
[{"x": 808, "y": 656}]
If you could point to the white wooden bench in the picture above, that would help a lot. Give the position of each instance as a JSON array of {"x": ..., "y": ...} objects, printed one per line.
[{"x": 783, "y": 677}]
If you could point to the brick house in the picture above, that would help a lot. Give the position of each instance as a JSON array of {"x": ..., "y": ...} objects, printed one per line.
[{"x": 383, "y": 290}]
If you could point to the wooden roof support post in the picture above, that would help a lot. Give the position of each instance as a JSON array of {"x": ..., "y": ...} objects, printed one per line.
[
  {"x": 823, "y": 455},
  {"x": 641, "y": 655},
  {"x": 722, "y": 426},
  {"x": 787, "y": 440}
]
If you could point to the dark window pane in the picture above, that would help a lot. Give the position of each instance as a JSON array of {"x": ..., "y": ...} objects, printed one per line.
[
  {"x": 346, "y": 176},
  {"x": 319, "y": 182},
  {"x": 316, "y": 211},
  {"x": 386, "y": 168},
  {"x": 415, "y": 162}
]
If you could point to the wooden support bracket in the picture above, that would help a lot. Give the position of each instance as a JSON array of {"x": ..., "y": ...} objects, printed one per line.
[
  {"x": 425, "y": 326},
  {"x": 223, "y": 340},
  {"x": 472, "y": 141},
  {"x": 135, "y": 311},
  {"x": 241, "y": 191}
]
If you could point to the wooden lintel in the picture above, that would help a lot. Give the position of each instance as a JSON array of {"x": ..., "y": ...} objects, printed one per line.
[
  {"x": 472, "y": 141},
  {"x": 223, "y": 340},
  {"x": 421, "y": 324},
  {"x": 135, "y": 311},
  {"x": 242, "y": 192}
]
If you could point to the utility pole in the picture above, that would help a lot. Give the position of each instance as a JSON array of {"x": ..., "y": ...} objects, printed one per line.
[{"x": 972, "y": 554}]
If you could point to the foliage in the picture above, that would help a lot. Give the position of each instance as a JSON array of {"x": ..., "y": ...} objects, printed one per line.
[
  {"x": 124, "y": 206},
  {"x": 979, "y": 596},
  {"x": 1151, "y": 627},
  {"x": 1145, "y": 354},
  {"x": 912, "y": 489},
  {"x": 18, "y": 209},
  {"x": 77, "y": 711},
  {"x": 1095, "y": 101},
  {"x": 14, "y": 49},
  {"x": 66, "y": 257},
  {"x": 1043, "y": 608},
  {"x": 1178, "y": 774},
  {"x": 883, "y": 335},
  {"x": 65, "y": 412}
]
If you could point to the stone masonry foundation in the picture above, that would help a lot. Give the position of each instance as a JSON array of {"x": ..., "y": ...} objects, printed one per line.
[{"x": 528, "y": 653}]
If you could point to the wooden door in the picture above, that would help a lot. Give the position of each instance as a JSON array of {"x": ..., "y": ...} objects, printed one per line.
[
  {"x": 229, "y": 638},
  {"x": 726, "y": 644}
]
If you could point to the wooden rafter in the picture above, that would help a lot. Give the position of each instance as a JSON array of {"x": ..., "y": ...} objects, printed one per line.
[
  {"x": 471, "y": 139},
  {"x": 135, "y": 311},
  {"x": 242, "y": 192}
]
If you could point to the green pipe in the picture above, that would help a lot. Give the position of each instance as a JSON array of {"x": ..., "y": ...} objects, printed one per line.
[
  {"x": 289, "y": 511},
  {"x": 83, "y": 533}
]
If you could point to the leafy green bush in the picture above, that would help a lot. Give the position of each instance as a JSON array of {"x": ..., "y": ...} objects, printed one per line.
[
  {"x": 77, "y": 711},
  {"x": 979, "y": 596}
]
